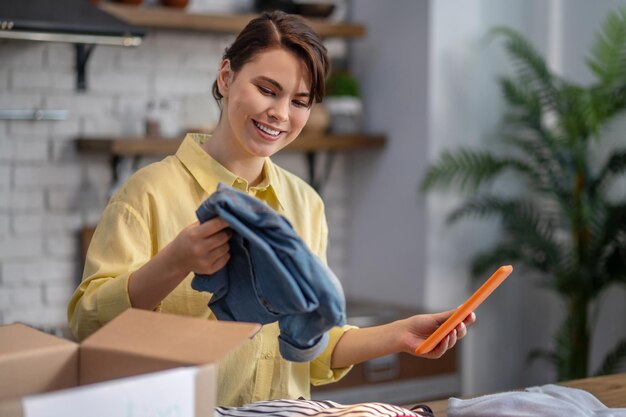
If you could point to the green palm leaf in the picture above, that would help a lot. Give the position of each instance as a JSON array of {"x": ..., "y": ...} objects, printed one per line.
[
  {"x": 531, "y": 68},
  {"x": 525, "y": 101},
  {"x": 548, "y": 168},
  {"x": 466, "y": 168},
  {"x": 615, "y": 166},
  {"x": 483, "y": 206},
  {"x": 608, "y": 247},
  {"x": 604, "y": 103},
  {"x": 608, "y": 55},
  {"x": 529, "y": 233},
  {"x": 488, "y": 261}
]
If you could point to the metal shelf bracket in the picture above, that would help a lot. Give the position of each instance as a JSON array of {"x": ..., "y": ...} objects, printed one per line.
[{"x": 83, "y": 52}]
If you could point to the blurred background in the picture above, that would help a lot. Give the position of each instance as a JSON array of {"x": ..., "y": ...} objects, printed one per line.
[{"x": 426, "y": 79}]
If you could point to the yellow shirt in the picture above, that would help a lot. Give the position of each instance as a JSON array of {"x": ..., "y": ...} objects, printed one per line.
[{"x": 147, "y": 213}]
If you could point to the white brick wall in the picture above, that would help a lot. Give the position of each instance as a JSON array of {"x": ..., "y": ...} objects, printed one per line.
[
  {"x": 59, "y": 56},
  {"x": 11, "y": 100},
  {"x": 5, "y": 174},
  {"x": 24, "y": 201},
  {"x": 48, "y": 191},
  {"x": 27, "y": 225},
  {"x": 5, "y": 225},
  {"x": 15, "y": 247},
  {"x": 18, "y": 55},
  {"x": 30, "y": 150},
  {"x": 6, "y": 149},
  {"x": 37, "y": 80}
]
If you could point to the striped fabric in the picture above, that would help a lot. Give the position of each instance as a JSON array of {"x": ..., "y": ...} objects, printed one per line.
[{"x": 308, "y": 408}]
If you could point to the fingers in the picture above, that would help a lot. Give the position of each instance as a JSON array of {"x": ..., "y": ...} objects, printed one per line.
[
  {"x": 210, "y": 234},
  {"x": 470, "y": 320},
  {"x": 204, "y": 246},
  {"x": 214, "y": 252},
  {"x": 460, "y": 331},
  {"x": 446, "y": 344},
  {"x": 451, "y": 339},
  {"x": 211, "y": 226},
  {"x": 220, "y": 257},
  {"x": 213, "y": 260},
  {"x": 441, "y": 348}
]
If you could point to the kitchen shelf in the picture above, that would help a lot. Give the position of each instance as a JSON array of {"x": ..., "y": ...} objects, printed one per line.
[
  {"x": 168, "y": 18},
  {"x": 146, "y": 146},
  {"x": 308, "y": 143}
]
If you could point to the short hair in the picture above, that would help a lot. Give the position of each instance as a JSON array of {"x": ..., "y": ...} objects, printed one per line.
[{"x": 287, "y": 31}]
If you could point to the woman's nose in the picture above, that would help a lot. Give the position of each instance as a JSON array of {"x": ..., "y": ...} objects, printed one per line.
[{"x": 280, "y": 110}]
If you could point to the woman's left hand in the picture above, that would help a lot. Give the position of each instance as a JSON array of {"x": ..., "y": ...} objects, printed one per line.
[
  {"x": 362, "y": 344},
  {"x": 416, "y": 329}
]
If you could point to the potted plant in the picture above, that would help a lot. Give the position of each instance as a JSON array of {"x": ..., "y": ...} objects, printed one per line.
[
  {"x": 566, "y": 224},
  {"x": 343, "y": 102}
]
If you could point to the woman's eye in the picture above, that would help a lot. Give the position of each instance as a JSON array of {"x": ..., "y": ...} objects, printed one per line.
[
  {"x": 299, "y": 103},
  {"x": 265, "y": 90}
]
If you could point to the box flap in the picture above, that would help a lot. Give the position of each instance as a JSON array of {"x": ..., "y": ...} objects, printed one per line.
[
  {"x": 19, "y": 338},
  {"x": 35, "y": 362},
  {"x": 187, "y": 340}
]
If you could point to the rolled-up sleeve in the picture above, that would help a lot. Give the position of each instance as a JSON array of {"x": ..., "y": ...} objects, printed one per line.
[
  {"x": 321, "y": 370},
  {"x": 120, "y": 245}
]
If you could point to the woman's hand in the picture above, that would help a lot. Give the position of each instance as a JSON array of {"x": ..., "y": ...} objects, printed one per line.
[
  {"x": 201, "y": 247},
  {"x": 363, "y": 344},
  {"x": 416, "y": 329}
]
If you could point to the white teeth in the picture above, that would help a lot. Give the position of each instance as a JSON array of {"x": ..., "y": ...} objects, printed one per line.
[{"x": 267, "y": 129}]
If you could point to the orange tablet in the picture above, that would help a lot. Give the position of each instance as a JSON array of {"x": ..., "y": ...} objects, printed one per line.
[{"x": 464, "y": 310}]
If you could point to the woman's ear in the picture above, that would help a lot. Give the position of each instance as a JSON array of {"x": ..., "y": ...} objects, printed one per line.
[{"x": 224, "y": 77}]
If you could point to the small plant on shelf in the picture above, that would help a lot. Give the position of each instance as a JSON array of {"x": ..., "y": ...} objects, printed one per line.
[
  {"x": 342, "y": 83},
  {"x": 343, "y": 102}
]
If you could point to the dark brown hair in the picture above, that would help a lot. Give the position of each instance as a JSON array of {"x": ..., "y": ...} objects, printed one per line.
[{"x": 287, "y": 31}]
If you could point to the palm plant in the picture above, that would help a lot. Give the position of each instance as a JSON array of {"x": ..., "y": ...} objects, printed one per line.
[{"x": 567, "y": 224}]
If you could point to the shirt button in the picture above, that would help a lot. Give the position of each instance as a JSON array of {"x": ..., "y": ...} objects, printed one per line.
[{"x": 267, "y": 356}]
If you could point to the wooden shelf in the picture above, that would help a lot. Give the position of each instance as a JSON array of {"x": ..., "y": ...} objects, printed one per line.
[
  {"x": 167, "y": 18},
  {"x": 139, "y": 146}
]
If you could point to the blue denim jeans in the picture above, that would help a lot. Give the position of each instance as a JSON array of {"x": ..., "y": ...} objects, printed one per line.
[{"x": 271, "y": 276}]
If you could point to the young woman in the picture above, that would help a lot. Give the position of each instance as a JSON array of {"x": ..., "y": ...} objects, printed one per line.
[{"x": 148, "y": 245}]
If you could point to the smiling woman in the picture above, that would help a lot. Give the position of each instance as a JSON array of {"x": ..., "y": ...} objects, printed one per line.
[{"x": 148, "y": 244}]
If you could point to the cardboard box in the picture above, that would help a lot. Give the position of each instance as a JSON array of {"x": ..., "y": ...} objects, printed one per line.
[{"x": 140, "y": 353}]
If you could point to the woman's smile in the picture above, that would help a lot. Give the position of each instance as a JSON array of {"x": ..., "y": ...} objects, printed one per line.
[{"x": 268, "y": 132}]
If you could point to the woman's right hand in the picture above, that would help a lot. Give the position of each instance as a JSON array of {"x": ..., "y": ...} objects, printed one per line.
[{"x": 201, "y": 247}]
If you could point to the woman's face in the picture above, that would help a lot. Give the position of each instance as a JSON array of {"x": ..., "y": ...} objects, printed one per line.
[{"x": 266, "y": 101}]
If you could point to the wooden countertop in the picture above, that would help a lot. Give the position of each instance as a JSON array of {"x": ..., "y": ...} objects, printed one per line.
[{"x": 610, "y": 389}]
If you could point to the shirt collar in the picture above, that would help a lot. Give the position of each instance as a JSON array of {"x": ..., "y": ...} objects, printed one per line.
[{"x": 208, "y": 172}]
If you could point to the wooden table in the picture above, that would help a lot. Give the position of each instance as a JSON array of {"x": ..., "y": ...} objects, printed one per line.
[{"x": 610, "y": 389}]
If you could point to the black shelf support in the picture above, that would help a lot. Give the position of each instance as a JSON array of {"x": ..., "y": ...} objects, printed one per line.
[
  {"x": 318, "y": 182},
  {"x": 83, "y": 52}
]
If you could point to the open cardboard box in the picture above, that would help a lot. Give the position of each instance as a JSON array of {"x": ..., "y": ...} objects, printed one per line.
[{"x": 154, "y": 364}]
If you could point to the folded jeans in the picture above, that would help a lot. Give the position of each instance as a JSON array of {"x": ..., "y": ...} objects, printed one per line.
[{"x": 271, "y": 276}]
